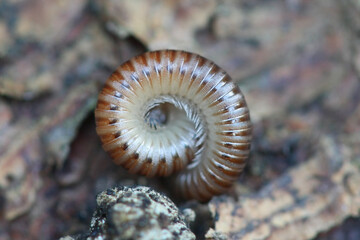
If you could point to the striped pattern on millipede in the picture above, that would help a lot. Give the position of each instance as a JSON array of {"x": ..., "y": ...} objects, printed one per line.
[{"x": 172, "y": 112}]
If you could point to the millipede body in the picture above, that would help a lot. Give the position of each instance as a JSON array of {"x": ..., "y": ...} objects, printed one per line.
[{"x": 172, "y": 112}]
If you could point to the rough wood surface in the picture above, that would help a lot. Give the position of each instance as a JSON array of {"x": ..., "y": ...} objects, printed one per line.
[
  {"x": 296, "y": 61},
  {"x": 308, "y": 199}
]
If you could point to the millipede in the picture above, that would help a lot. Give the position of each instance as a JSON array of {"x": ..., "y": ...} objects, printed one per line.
[{"x": 176, "y": 113}]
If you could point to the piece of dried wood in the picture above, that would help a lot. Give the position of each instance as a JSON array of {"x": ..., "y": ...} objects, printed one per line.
[{"x": 305, "y": 201}]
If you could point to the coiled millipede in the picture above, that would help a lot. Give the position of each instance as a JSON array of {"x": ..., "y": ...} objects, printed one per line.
[{"x": 174, "y": 112}]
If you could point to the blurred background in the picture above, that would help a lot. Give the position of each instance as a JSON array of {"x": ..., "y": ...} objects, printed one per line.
[{"x": 296, "y": 61}]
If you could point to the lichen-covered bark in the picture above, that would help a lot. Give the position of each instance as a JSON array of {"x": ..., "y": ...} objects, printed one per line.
[{"x": 137, "y": 213}]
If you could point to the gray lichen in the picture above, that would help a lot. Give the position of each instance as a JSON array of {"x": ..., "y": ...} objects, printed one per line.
[{"x": 138, "y": 213}]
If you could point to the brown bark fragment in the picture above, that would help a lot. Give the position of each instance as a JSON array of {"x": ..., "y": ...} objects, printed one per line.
[{"x": 309, "y": 199}]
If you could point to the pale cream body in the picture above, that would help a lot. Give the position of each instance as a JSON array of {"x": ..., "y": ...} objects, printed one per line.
[{"x": 201, "y": 130}]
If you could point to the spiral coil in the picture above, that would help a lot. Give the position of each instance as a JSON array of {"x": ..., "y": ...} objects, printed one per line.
[{"x": 173, "y": 112}]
